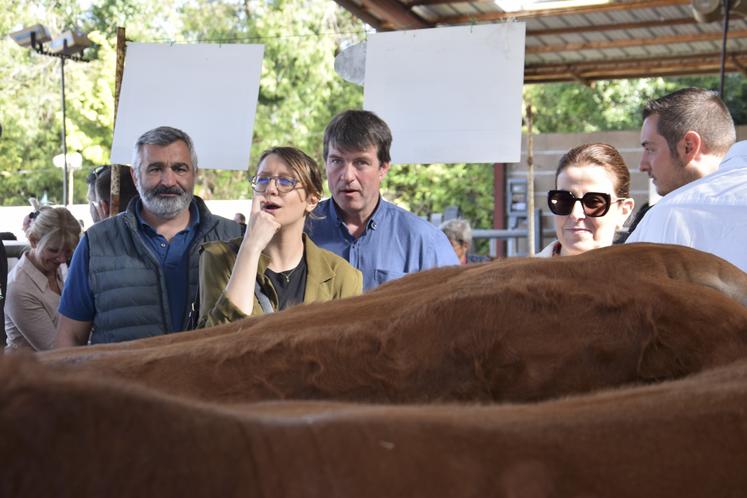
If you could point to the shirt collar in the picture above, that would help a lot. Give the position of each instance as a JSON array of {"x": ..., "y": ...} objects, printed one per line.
[
  {"x": 34, "y": 273},
  {"x": 373, "y": 221},
  {"x": 736, "y": 150}
]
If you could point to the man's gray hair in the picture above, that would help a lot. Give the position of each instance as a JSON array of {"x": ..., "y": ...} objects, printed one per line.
[
  {"x": 458, "y": 230},
  {"x": 163, "y": 135}
]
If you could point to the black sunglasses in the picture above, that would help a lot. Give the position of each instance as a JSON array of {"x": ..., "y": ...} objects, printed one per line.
[{"x": 595, "y": 204}]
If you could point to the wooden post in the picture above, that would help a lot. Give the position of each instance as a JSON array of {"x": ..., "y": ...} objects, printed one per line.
[
  {"x": 530, "y": 183},
  {"x": 121, "y": 50},
  {"x": 499, "y": 205}
]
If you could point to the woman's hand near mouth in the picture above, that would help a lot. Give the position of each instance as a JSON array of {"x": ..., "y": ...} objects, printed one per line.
[
  {"x": 261, "y": 228},
  {"x": 262, "y": 225}
]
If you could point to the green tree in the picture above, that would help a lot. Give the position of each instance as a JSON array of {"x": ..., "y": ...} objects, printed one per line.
[
  {"x": 617, "y": 104},
  {"x": 299, "y": 89},
  {"x": 430, "y": 188}
]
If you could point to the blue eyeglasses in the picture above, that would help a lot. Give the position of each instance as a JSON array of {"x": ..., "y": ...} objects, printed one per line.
[{"x": 282, "y": 183}]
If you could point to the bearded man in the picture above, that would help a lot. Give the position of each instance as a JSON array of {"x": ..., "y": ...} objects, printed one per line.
[{"x": 134, "y": 275}]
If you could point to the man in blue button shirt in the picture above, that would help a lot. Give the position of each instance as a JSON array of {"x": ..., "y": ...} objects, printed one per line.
[
  {"x": 382, "y": 240},
  {"x": 133, "y": 275}
]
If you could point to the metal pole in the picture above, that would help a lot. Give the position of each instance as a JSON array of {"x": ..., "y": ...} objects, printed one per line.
[
  {"x": 723, "y": 47},
  {"x": 65, "y": 198}
]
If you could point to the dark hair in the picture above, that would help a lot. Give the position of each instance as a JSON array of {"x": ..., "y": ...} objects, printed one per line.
[
  {"x": 599, "y": 155},
  {"x": 163, "y": 135},
  {"x": 358, "y": 130},
  {"x": 693, "y": 109},
  {"x": 103, "y": 184},
  {"x": 303, "y": 166}
]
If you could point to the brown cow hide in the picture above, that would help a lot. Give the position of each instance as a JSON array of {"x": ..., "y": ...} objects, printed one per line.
[
  {"x": 514, "y": 330},
  {"x": 69, "y": 434}
]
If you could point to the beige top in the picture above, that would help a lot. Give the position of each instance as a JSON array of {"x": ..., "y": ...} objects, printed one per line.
[{"x": 31, "y": 308}]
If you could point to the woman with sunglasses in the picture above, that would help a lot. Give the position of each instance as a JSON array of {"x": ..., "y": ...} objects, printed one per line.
[
  {"x": 274, "y": 266},
  {"x": 590, "y": 201}
]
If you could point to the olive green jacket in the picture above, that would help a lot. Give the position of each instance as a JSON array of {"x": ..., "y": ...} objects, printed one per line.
[{"x": 328, "y": 277}]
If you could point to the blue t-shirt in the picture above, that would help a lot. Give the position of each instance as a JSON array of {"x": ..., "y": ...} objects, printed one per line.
[
  {"x": 395, "y": 242},
  {"x": 78, "y": 302}
]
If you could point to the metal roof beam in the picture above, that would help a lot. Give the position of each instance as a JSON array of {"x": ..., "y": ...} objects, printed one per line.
[
  {"x": 659, "y": 40},
  {"x": 609, "y": 27},
  {"x": 361, "y": 14},
  {"x": 591, "y": 9},
  {"x": 416, "y": 3},
  {"x": 632, "y": 68},
  {"x": 737, "y": 64},
  {"x": 393, "y": 14}
]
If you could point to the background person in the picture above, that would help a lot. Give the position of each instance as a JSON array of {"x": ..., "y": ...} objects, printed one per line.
[
  {"x": 274, "y": 263},
  {"x": 134, "y": 275},
  {"x": 591, "y": 201},
  {"x": 99, "y": 191},
  {"x": 36, "y": 281},
  {"x": 241, "y": 220},
  {"x": 3, "y": 290},
  {"x": 382, "y": 240},
  {"x": 459, "y": 233}
]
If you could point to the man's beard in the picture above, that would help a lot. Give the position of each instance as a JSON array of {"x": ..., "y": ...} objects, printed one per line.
[{"x": 165, "y": 207}]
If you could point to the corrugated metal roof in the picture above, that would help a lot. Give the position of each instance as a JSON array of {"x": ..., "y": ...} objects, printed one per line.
[{"x": 625, "y": 38}]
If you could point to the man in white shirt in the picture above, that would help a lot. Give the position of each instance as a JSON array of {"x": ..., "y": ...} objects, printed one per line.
[
  {"x": 709, "y": 214},
  {"x": 685, "y": 135}
]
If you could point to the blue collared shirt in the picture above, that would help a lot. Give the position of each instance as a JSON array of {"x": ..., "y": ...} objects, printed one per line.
[
  {"x": 395, "y": 242},
  {"x": 77, "y": 301}
]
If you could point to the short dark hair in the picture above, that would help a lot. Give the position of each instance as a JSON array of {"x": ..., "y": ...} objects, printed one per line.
[
  {"x": 102, "y": 182},
  {"x": 603, "y": 155},
  {"x": 693, "y": 109},
  {"x": 358, "y": 130}
]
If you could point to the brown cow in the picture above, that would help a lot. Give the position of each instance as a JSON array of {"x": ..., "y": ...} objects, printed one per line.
[
  {"x": 69, "y": 434},
  {"x": 517, "y": 330}
]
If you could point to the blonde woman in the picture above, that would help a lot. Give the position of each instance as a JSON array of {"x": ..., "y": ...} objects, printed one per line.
[
  {"x": 35, "y": 283},
  {"x": 274, "y": 266}
]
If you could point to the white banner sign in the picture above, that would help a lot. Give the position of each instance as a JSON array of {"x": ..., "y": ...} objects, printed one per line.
[
  {"x": 450, "y": 95},
  {"x": 208, "y": 91}
]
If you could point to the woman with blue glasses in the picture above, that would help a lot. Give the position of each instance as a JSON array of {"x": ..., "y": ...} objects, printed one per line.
[
  {"x": 591, "y": 200},
  {"x": 274, "y": 266}
]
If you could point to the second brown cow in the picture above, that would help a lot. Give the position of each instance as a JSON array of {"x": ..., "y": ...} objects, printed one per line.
[{"x": 517, "y": 330}]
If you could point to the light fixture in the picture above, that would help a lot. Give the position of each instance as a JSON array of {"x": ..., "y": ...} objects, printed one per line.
[
  {"x": 28, "y": 37},
  {"x": 70, "y": 45},
  {"x": 530, "y": 5}
]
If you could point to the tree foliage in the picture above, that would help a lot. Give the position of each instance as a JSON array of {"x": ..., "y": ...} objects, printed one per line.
[
  {"x": 617, "y": 104},
  {"x": 299, "y": 90}
]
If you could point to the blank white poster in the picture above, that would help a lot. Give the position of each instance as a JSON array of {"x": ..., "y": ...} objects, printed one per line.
[
  {"x": 450, "y": 95},
  {"x": 208, "y": 91}
]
